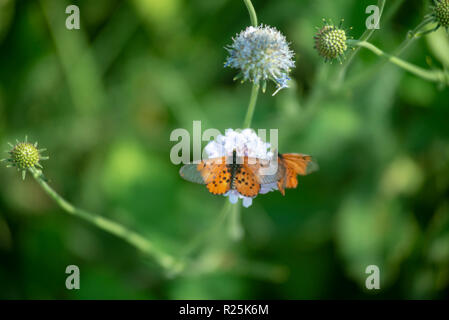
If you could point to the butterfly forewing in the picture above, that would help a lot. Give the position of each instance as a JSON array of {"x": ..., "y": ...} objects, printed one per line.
[
  {"x": 221, "y": 180},
  {"x": 190, "y": 173},
  {"x": 246, "y": 181},
  {"x": 268, "y": 171},
  {"x": 265, "y": 171},
  {"x": 204, "y": 171},
  {"x": 212, "y": 172},
  {"x": 294, "y": 164},
  {"x": 302, "y": 164}
]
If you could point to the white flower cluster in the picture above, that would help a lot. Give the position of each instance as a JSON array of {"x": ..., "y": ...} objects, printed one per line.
[
  {"x": 261, "y": 53},
  {"x": 245, "y": 143}
]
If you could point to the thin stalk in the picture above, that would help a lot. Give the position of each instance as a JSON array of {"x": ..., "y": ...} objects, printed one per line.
[
  {"x": 430, "y": 75},
  {"x": 255, "y": 89},
  {"x": 252, "y": 12},
  {"x": 412, "y": 35},
  {"x": 165, "y": 260},
  {"x": 201, "y": 238},
  {"x": 392, "y": 9},
  {"x": 251, "y": 106},
  {"x": 235, "y": 224}
]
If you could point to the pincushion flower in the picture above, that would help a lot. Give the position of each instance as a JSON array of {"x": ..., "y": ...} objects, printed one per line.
[{"x": 261, "y": 53}]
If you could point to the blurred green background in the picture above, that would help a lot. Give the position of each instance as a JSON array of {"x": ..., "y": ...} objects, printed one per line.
[{"x": 104, "y": 99}]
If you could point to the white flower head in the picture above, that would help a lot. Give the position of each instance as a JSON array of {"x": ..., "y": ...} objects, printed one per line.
[
  {"x": 261, "y": 53},
  {"x": 245, "y": 143}
]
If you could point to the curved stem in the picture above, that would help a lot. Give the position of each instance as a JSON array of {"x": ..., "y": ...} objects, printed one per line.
[
  {"x": 430, "y": 75},
  {"x": 251, "y": 106},
  {"x": 252, "y": 12},
  {"x": 413, "y": 35},
  {"x": 165, "y": 260},
  {"x": 392, "y": 9},
  {"x": 202, "y": 238}
]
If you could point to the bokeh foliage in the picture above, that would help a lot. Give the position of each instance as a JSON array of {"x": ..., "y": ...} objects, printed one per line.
[{"x": 104, "y": 99}]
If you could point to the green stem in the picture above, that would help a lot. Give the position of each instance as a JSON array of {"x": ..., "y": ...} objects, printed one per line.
[
  {"x": 251, "y": 106},
  {"x": 235, "y": 223},
  {"x": 392, "y": 9},
  {"x": 413, "y": 35},
  {"x": 167, "y": 261},
  {"x": 252, "y": 12},
  {"x": 203, "y": 237},
  {"x": 430, "y": 75},
  {"x": 255, "y": 89}
]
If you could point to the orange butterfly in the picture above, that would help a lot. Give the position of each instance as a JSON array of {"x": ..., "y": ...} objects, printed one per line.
[
  {"x": 222, "y": 174},
  {"x": 292, "y": 164}
]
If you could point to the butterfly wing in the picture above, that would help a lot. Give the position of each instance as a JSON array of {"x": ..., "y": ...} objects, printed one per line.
[
  {"x": 190, "y": 173},
  {"x": 212, "y": 172},
  {"x": 252, "y": 173},
  {"x": 246, "y": 182},
  {"x": 218, "y": 178},
  {"x": 302, "y": 164},
  {"x": 294, "y": 164},
  {"x": 264, "y": 170}
]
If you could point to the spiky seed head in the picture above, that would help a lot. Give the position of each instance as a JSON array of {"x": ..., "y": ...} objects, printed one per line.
[
  {"x": 330, "y": 42},
  {"x": 441, "y": 12},
  {"x": 24, "y": 155},
  {"x": 261, "y": 53}
]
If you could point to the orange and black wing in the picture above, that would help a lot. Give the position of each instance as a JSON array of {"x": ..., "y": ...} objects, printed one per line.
[
  {"x": 246, "y": 182},
  {"x": 212, "y": 172},
  {"x": 294, "y": 164},
  {"x": 252, "y": 173}
]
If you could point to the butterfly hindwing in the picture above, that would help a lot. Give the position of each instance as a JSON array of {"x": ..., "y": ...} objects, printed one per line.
[
  {"x": 219, "y": 179},
  {"x": 264, "y": 170},
  {"x": 202, "y": 172},
  {"x": 252, "y": 173},
  {"x": 246, "y": 182},
  {"x": 294, "y": 164},
  {"x": 212, "y": 172},
  {"x": 190, "y": 173}
]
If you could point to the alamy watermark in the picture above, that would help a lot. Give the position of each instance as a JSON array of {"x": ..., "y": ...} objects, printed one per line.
[
  {"x": 182, "y": 152},
  {"x": 373, "y": 280},
  {"x": 373, "y": 21},
  {"x": 73, "y": 280},
  {"x": 73, "y": 20}
]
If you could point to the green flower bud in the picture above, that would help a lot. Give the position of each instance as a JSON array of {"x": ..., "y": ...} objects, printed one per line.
[
  {"x": 24, "y": 155},
  {"x": 330, "y": 42},
  {"x": 441, "y": 12}
]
